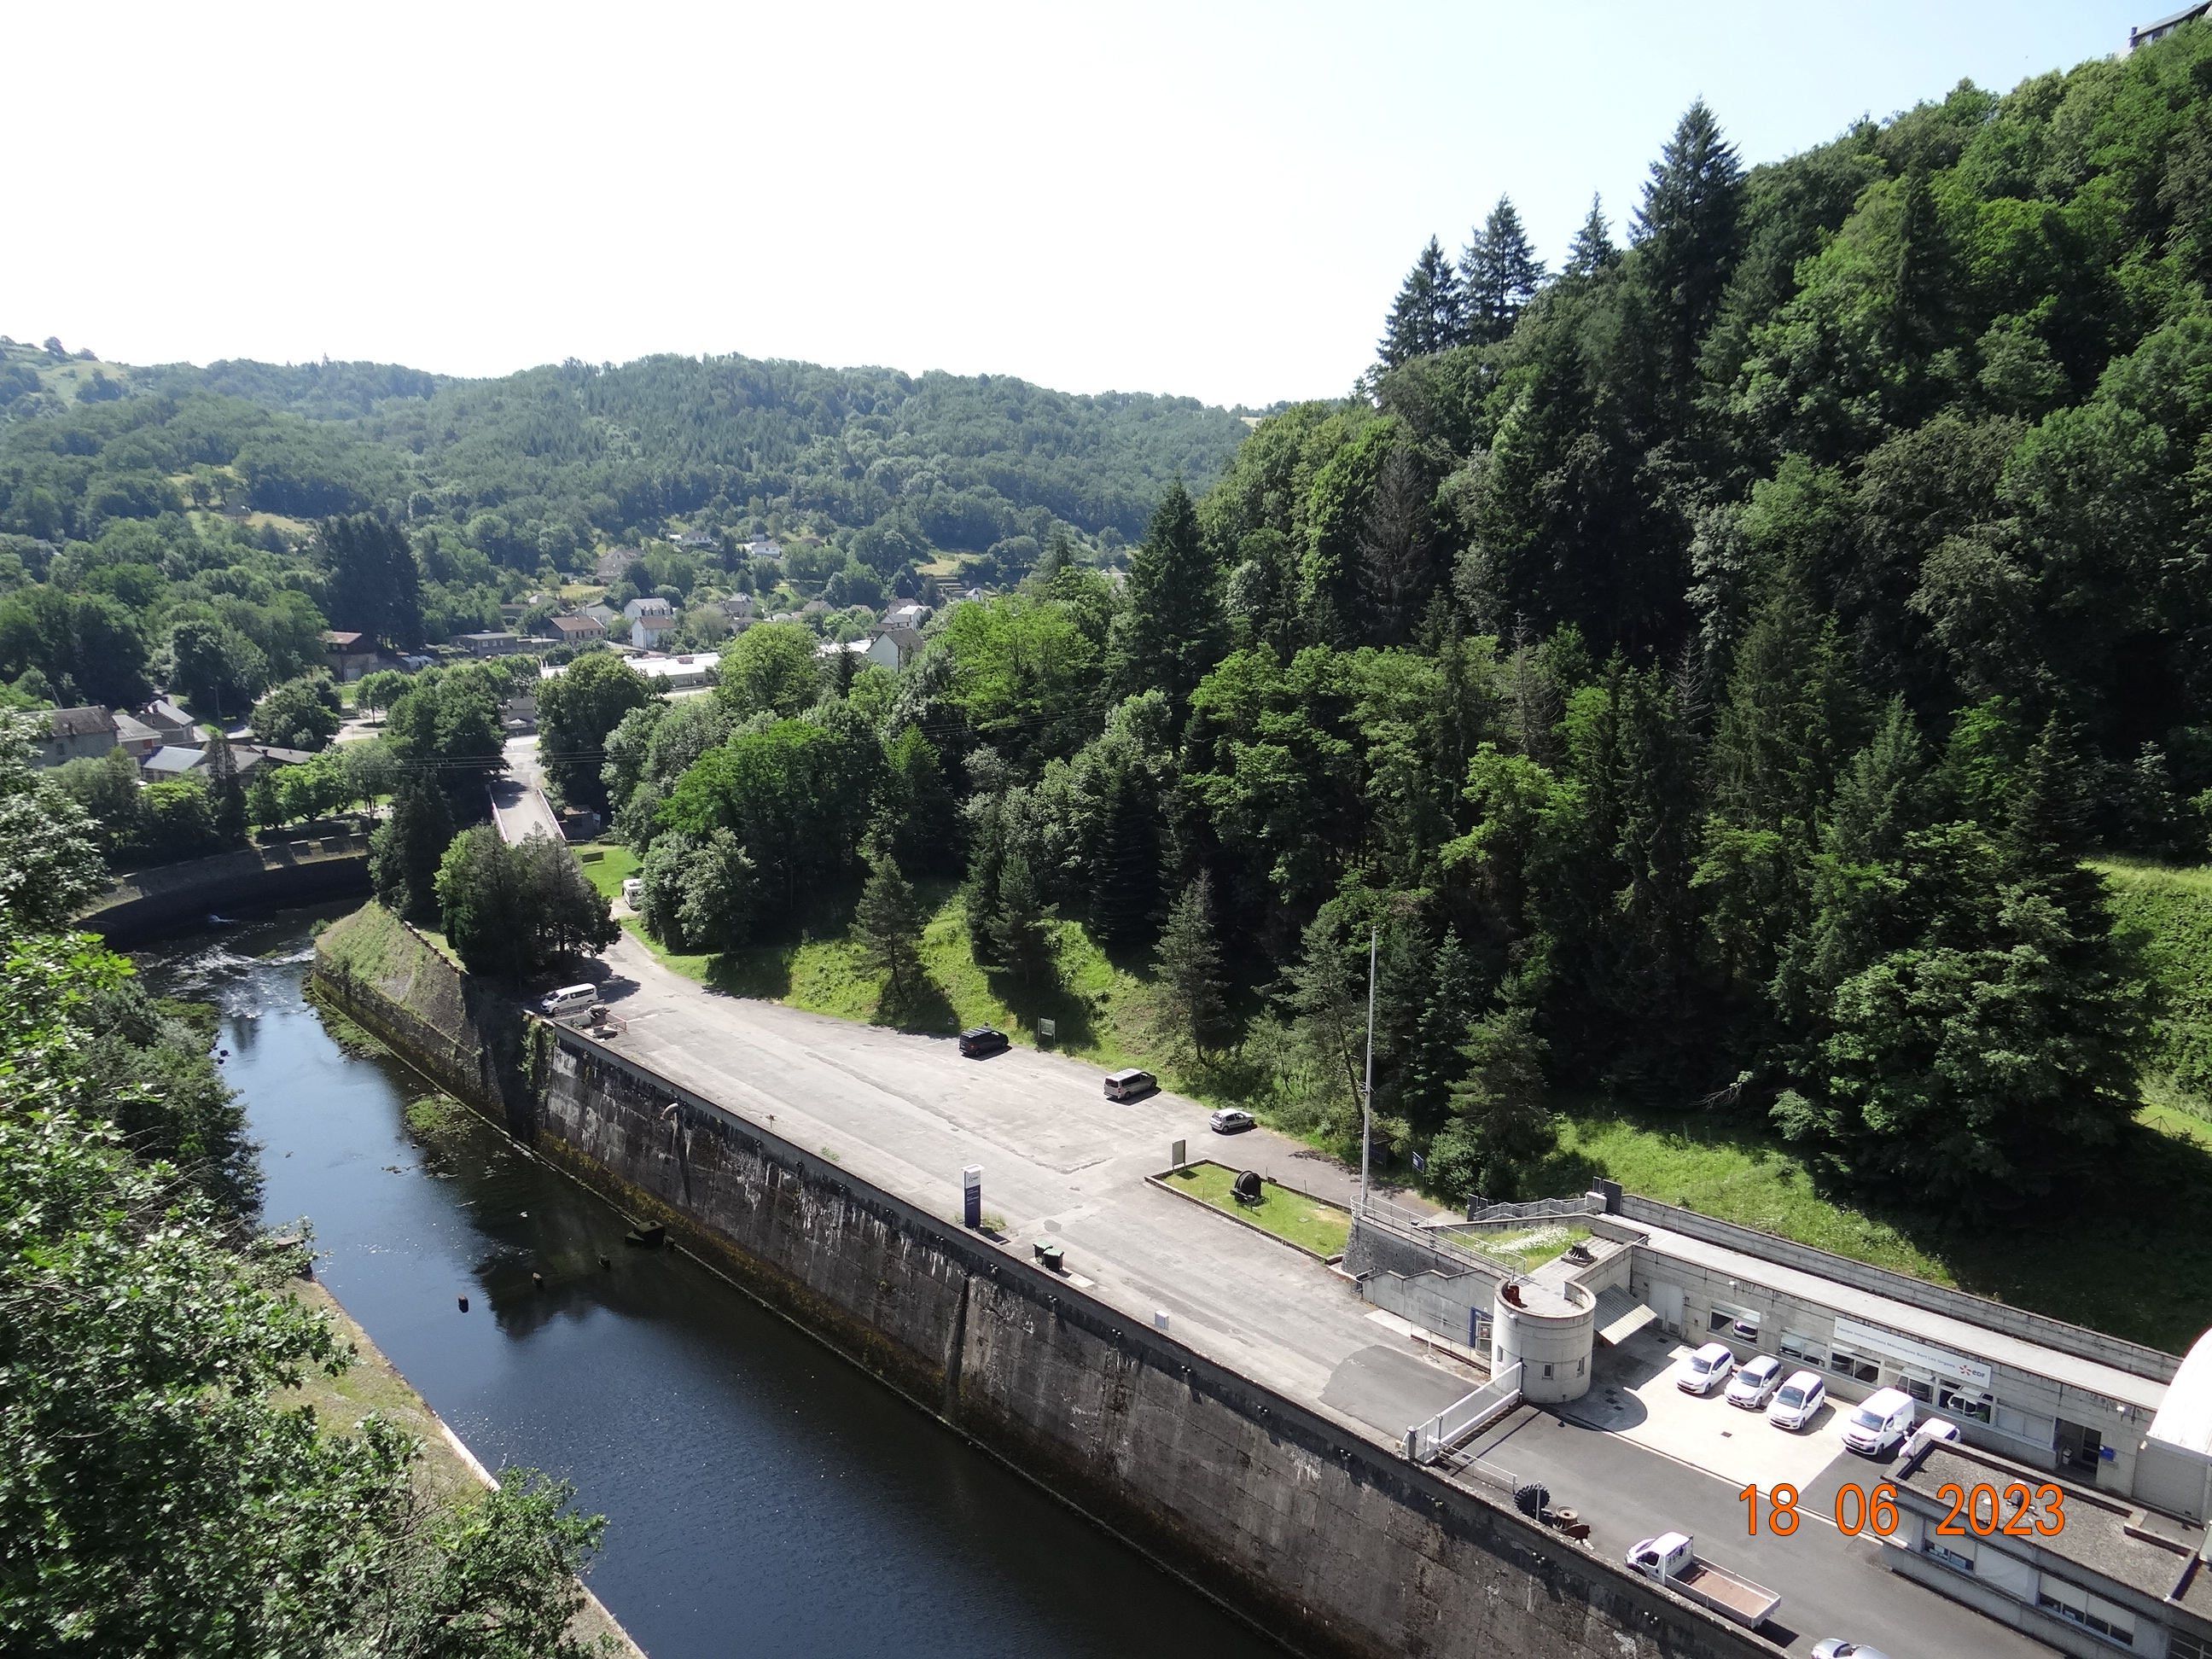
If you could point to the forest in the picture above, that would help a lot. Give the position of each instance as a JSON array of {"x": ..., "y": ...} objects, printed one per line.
[
  {"x": 1700, "y": 672},
  {"x": 138, "y": 502}
]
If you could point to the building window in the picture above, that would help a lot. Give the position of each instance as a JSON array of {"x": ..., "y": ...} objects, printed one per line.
[
  {"x": 1547, "y": 1371},
  {"x": 2179, "y": 1646},
  {"x": 2077, "y": 1606},
  {"x": 1844, "y": 1363},
  {"x": 1579, "y": 1364},
  {"x": 1952, "y": 1557},
  {"x": 1808, "y": 1349}
]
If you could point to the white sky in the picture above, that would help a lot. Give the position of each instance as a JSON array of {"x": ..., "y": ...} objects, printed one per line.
[{"x": 1211, "y": 199}]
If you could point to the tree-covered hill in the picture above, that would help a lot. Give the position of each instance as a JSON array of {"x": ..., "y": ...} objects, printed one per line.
[{"x": 1704, "y": 671}]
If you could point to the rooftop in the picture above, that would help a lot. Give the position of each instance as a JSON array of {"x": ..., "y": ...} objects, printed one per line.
[
  {"x": 80, "y": 722},
  {"x": 2106, "y": 1534},
  {"x": 1977, "y": 1341}
]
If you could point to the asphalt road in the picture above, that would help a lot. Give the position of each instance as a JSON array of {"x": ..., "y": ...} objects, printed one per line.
[
  {"x": 1061, "y": 1162},
  {"x": 1830, "y": 1584}
]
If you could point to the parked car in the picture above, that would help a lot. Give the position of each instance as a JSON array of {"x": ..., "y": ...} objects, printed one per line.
[
  {"x": 1710, "y": 1364},
  {"x": 1882, "y": 1419},
  {"x": 568, "y": 1000},
  {"x": 1130, "y": 1085},
  {"x": 1754, "y": 1382},
  {"x": 1798, "y": 1401},
  {"x": 1930, "y": 1431},
  {"x": 983, "y": 1040},
  {"x": 1231, "y": 1121},
  {"x": 1835, "y": 1648},
  {"x": 633, "y": 891}
]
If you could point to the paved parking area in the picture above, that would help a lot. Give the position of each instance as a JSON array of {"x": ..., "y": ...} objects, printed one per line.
[{"x": 1635, "y": 1396}]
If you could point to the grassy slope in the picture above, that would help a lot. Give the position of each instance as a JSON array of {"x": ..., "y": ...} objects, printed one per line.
[
  {"x": 2172, "y": 910},
  {"x": 2085, "y": 1266}
]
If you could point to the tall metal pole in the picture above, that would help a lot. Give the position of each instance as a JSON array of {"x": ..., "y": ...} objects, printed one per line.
[{"x": 1367, "y": 1094}]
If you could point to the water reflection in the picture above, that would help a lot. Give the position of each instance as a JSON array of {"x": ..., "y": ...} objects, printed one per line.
[{"x": 764, "y": 1496}]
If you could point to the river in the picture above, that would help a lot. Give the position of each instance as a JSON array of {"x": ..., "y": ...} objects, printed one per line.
[{"x": 763, "y": 1495}]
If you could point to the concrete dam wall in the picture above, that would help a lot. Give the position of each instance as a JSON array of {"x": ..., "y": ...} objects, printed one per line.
[{"x": 1312, "y": 1527}]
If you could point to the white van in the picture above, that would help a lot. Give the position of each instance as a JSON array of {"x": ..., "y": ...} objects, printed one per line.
[
  {"x": 1130, "y": 1085},
  {"x": 568, "y": 1000},
  {"x": 1880, "y": 1421},
  {"x": 633, "y": 891}
]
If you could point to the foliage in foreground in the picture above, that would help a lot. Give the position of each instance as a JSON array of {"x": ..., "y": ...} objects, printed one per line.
[{"x": 154, "y": 1496}]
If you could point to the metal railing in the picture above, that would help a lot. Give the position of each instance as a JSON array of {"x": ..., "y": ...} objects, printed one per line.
[
  {"x": 1426, "y": 1441},
  {"x": 1423, "y": 1231},
  {"x": 1542, "y": 1209}
]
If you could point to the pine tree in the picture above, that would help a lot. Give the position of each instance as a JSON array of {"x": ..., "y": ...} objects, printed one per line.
[
  {"x": 1686, "y": 235},
  {"x": 374, "y": 586},
  {"x": 887, "y": 927},
  {"x": 1188, "y": 967},
  {"x": 226, "y": 791},
  {"x": 1022, "y": 932},
  {"x": 1124, "y": 901},
  {"x": 1432, "y": 1062},
  {"x": 1592, "y": 251},
  {"x": 403, "y": 854},
  {"x": 1499, "y": 274},
  {"x": 1173, "y": 632},
  {"x": 1501, "y": 1123},
  {"x": 1429, "y": 314}
]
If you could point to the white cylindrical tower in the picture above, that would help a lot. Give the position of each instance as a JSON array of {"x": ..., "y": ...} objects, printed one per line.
[{"x": 1548, "y": 1330}]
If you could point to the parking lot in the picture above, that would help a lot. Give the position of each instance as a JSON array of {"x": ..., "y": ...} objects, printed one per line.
[
  {"x": 1636, "y": 1398},
  {"x": 1636, "y": 1457}
]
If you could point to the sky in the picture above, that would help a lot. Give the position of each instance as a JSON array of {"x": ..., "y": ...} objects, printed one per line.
[{"x": 1209, "y": 198}]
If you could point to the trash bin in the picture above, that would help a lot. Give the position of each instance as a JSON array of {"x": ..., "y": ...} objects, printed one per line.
[{"x": 1050, "y": 1255}]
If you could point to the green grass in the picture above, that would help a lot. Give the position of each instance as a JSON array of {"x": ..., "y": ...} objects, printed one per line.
[
  {"x": 1528, "y": 1249},
  {"x": 1308, "y": 1222},
  {"x": 2128, "y": 1251}
]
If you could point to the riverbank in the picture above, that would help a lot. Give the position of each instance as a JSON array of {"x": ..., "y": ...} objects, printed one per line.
[
  {"x": 1185, "y": 1400},
  {"x": 448, "y": 1473}
]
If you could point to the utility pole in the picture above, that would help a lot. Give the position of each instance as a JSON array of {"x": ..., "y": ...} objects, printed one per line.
[{"x": 1367, "y": 1094}]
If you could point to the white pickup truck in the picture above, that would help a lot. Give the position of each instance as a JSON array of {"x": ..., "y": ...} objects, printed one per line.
[{"x": 1672, "y": 1558}]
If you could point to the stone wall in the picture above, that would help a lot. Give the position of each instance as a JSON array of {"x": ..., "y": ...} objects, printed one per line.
[
  {"x": 178, "y": 895},
  {"x": 1324, "y": 1538}
]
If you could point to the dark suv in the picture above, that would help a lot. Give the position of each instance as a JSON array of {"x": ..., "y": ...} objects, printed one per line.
[{"x": 983, "y": 1040}]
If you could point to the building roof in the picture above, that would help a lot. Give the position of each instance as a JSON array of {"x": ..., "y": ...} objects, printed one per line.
[
  {"x": 646, "y": 607},
  {"x": 2101, "y": 1534},
  {"x": 576, "y": 625},
  {"x": 163, "y": 715},
  {"x": 173, "y": 760},
  {"x": 130, "y": 729},
  {"x": 605, "y": 613},
  {"x": 270, "y": 751},
  {"x": 1940, "y": 1330},
  {"x": 905, "y": 638},
  {"x": 338, "y": 641},
  {"x": 80, "y": 722}
]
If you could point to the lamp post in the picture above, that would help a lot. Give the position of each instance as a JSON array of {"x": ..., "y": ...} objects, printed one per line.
[{"x": 1367, "y": 1092}]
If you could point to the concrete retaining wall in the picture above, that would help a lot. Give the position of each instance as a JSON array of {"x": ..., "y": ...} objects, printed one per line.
[
  {"x": 178, "y": 895},
  {"x": 1324, "y": 1537}
]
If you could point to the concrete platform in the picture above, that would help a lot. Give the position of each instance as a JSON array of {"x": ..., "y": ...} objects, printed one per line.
[{"x": 1635, "y": 1396}]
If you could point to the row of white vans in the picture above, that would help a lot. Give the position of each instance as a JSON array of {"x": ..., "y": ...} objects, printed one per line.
[{"x": 1874, "y": 1426}]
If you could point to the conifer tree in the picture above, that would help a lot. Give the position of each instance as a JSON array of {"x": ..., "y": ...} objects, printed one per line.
[
  {"x": 1501, "y": 1123},
  {"x": 1686, "y": 235},
  {"x": 1125, "y": 905},
  {"x": 1188, "y": 967},
  {"x": 887, "y": 927},
  {"x": 404, "y": 852},
  {"x": 1592, "y": 251},
  {"x": 1499, "y": 274},
  {"x": 1022, "y": 931},
  {"x": 1173, "y": 632},
  {"x": 1429, "y": 314},
  {"x": 1432, "y": 1061},
  {"x": 226, "y": 790}
]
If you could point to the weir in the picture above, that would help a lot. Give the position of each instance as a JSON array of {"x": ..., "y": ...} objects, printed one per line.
[{"x": 1310, "y": 1525}]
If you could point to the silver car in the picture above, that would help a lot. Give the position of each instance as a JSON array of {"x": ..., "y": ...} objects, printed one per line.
[
  {"x": 1710, "y": 1364},
  {"x": 1754, "y": 1382},
  {"x": 1835, "y": 1648}
]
